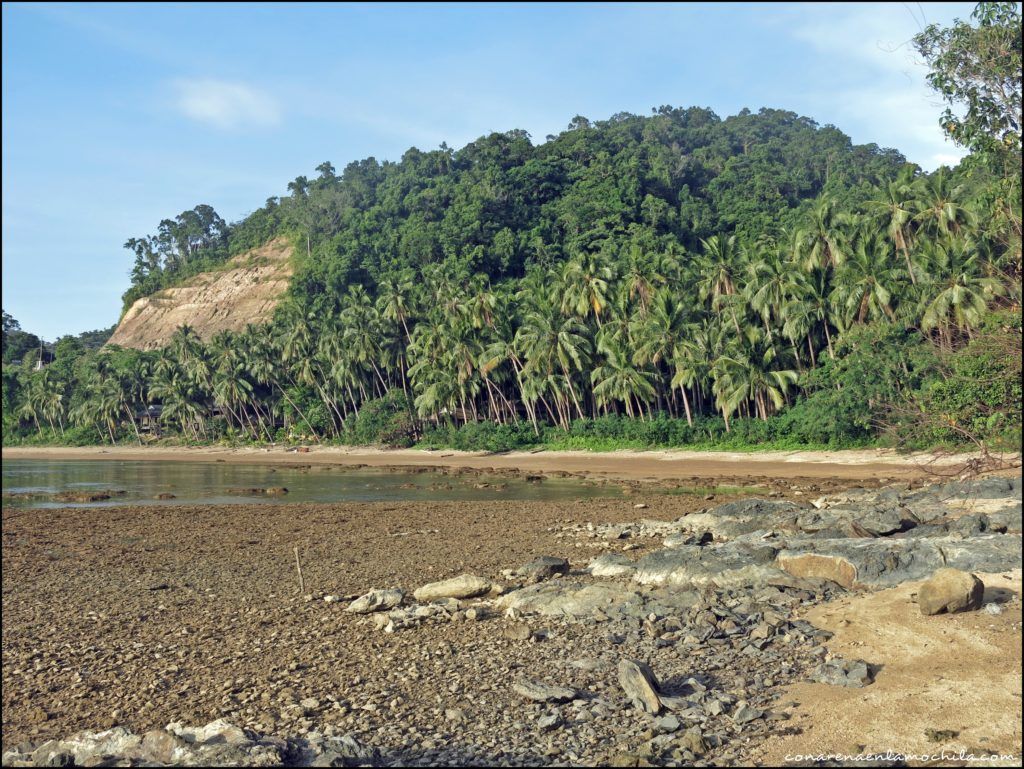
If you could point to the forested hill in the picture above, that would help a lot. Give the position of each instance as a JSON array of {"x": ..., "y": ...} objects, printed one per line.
[{"x": 500, "y": 204}]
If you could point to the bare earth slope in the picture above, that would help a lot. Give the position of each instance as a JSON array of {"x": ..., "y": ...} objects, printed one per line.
[{"x": 246, "y": 291}]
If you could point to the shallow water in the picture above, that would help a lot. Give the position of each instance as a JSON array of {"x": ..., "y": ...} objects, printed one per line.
[{"x": 210, "y": 483}]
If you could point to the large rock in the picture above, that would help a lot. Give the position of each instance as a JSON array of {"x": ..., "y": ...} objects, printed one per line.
[
  {"x": 745, "y": 516},
  {"x": 950, "y": 591},
  {"x": 731, "y": 564},
  {"x": 376, "y": 600},
  {"x": 640, "y": 685},
  {"x": 885, "y": 562},
  {"x": 611, "y": 565},
  {"x": 573, "y": 599},
  {"x": 217, "y": 744},
  {"x": 463, "y": 586}
]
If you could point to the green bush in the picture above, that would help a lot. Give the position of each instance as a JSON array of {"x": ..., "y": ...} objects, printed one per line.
[{"x": 386, "y": 421}]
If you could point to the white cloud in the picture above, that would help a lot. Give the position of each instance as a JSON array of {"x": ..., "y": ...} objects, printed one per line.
[
  {"x": 888, "y": 95},
  {"x": 226, "y": 105}
]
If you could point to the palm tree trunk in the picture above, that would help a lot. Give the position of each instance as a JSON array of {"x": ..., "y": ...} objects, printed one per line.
[{"x": 686, "y": 405}]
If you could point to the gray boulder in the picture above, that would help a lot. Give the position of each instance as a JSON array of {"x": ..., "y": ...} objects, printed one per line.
[
  {"x": 730, "y": 564},
  {"x": 889, "y": 561},
  {"x": 572, "y": 599},
  {"x": 611, "y": 565}
]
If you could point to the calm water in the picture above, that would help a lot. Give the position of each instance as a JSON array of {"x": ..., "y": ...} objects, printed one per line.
[{"x": 210, "y": 483}]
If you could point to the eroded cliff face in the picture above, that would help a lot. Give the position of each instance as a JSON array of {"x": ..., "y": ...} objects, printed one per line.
[{"x": 246, "y": 291}]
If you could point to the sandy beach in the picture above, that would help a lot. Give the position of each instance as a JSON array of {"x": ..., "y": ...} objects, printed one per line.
[{"x": 632, "y": 465}]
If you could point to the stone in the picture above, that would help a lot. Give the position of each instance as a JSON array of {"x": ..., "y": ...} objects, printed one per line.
[
  {"x": 841, "y": 672},
  {"x": 161, "y": 746},
  {"x": 540, "y": 692},
  {"x": 667, "y": 724},
  {"x": 726, "y": 565},
  {"x": 888, "y": 561},
  {"x": 950, "y": 591},
  {"x": 518, "y": 631},
  {"x": 376, "y": 600},
  {"x": 611, "y": 565},
  {"x": 640, "y": 685},
  {"x": 463, "y": 586},
  {"x": 216, "y": 732},
  {"x": 549, "y": 722},
  {"x": 745, "y": 516},
  {"x": 543, "y": 567},
  {"x": 693, "y": 740},
  {"x": 566, "y": 597},
  {"x": 744, "y": 713}
]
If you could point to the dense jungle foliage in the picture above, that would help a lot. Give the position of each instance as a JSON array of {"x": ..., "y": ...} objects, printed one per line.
[{"x": 672, "y": 279}]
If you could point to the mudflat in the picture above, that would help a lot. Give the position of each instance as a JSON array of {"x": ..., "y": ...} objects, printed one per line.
[{"x": 142, "y": 617}]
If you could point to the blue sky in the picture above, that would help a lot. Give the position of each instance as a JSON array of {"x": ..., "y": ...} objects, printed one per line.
[{"x": 115, "y": 117}]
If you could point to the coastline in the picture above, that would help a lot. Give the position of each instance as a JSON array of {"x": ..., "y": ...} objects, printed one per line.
[{"x": 625, "y": 464}]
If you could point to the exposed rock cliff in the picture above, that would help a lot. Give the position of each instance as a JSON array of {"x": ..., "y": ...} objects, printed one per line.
[{"x": 245, "y": 291}]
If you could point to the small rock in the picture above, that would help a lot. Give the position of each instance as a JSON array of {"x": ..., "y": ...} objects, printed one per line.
[
  {"x": 544, "y": 567},
  {"x": 840, "y": 672},
  {"x": 534, "y": 690},
  {"x": 667, "y": 724},
  {"x": 744, "y": 713},
  {"x": 640, "y": 685},
  {"x": 940, "y": 735},
  {"x": 549, "y": 722},
  {"x": 376, "y": 600},
  {"x": 693, "y": 740},
  {"x": 518, "y": 631}
]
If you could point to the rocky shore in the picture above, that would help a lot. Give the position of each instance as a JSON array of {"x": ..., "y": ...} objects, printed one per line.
[{"x": 659, "y": 630}]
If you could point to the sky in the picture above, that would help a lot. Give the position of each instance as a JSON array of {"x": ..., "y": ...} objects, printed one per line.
[{"x": 118, "y": 116}]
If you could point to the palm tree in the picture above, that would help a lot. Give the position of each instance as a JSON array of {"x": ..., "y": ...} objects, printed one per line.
[
  {"x": 552, "y": 343},
  {"x": 940, "y": 210},
  {"x": 894, "y": 209},
  {"x": 659, "y": 333},
  {"x": 957, "y": 293},
  {"x": 752, "y": 371},
  {"x": 821, "y": 243},
  {"x": 617, "y": 380},
  {"x": 585, "y": 282},
  {"x": 865, "y": 285}
]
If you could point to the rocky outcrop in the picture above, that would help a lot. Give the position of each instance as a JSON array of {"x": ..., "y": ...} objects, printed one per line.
[
  {"x": 216, "y": 744},
  {"x": 245, "y": 291}
]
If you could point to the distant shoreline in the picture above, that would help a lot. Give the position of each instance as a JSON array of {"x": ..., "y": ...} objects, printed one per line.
[{"x": 637, "y": 465}]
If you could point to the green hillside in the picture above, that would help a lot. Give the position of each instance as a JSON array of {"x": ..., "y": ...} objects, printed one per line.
[{"x": 671, "y": 279}]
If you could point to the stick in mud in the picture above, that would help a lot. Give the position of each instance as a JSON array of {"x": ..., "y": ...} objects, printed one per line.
[{"x": 298, "y": 568}]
